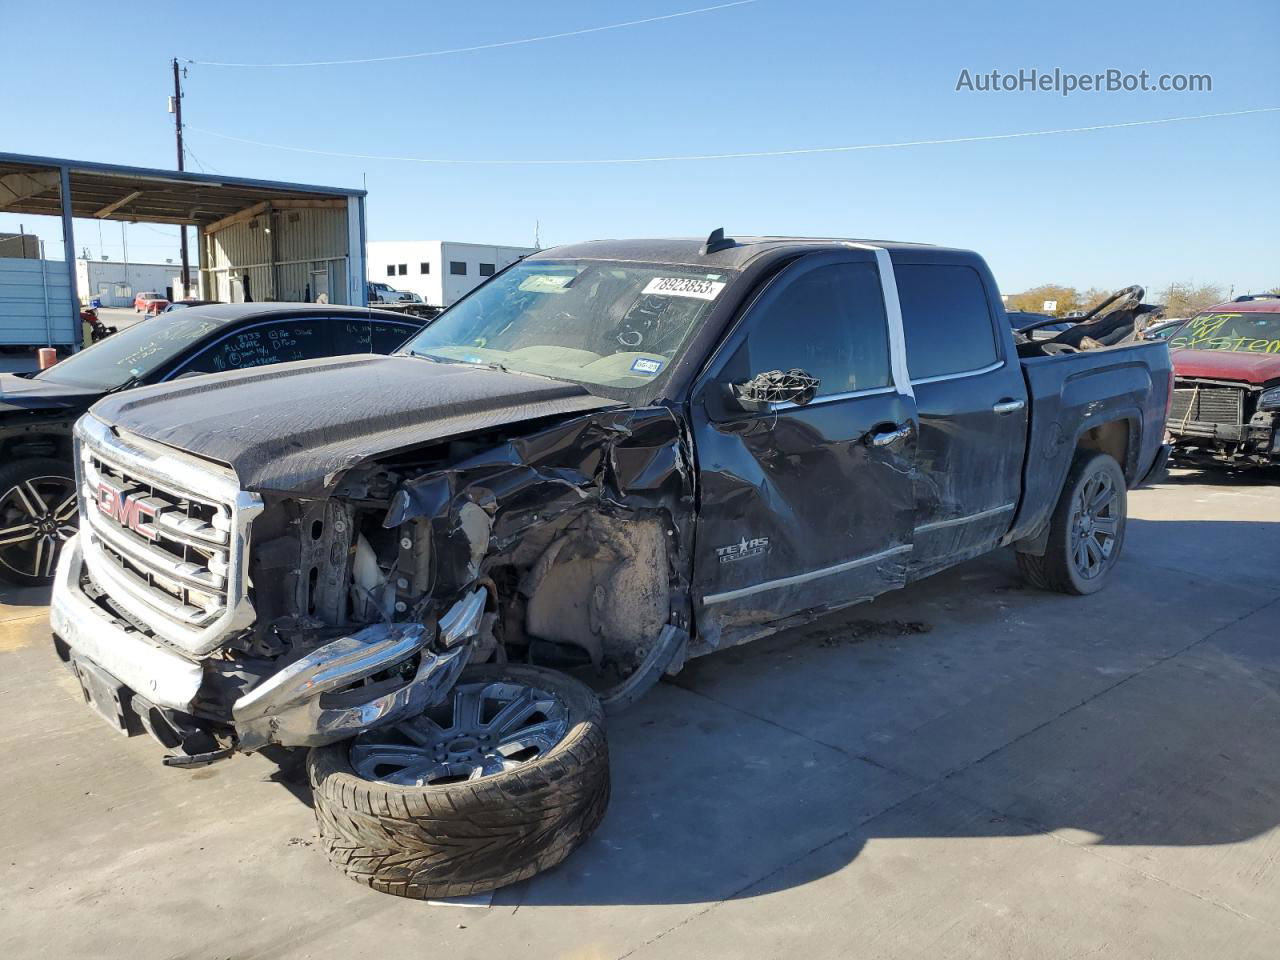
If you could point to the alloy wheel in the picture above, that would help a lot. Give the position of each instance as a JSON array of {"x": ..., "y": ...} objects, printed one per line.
[
  {"x": 482, "y": 729},
  {"x": 1095, "y": 526},
  {"x": 37, "y": 515}
]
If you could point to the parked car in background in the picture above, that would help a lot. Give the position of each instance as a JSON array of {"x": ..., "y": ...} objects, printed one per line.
[
  {"x": 1163, "y": 329},
  {"x": 385, "y": 293},
  {"x": 1226, "y": 399},
  {"x": 1020, "y": 319},
  {"x": 149, "y": 302},
  {"x": 37, "y": 411},
  {"x": 183, "y": 304},
  {"x": 607, "y": 459}
]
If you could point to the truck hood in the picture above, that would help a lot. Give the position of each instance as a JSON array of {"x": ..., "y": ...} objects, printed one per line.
[
  {"x": 21, "y": 393},
  {"x": 295, "y": 428},
  {"x": 1256, "y": 368}
]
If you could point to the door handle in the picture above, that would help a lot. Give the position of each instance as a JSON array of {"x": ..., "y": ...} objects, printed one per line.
[
  {"x": 885, "y": 438},
  {"x": 1008, "y": 406}
]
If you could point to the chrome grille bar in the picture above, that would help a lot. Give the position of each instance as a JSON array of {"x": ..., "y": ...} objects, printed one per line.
[{"x": 166, "y": 535}]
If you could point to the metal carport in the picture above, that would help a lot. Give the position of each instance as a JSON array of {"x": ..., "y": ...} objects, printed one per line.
[{"x": 256, "y": 239}]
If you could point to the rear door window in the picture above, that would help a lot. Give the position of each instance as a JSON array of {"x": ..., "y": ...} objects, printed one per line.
[
  {"x": 361, "y": 335},
  {"x": 350, "y": 335},
  {"x": 946, "y": 319},
  {"x": 386, "y": 335}
]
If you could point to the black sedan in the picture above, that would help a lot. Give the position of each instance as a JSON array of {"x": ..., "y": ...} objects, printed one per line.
[{"x": 37, "y": 411}]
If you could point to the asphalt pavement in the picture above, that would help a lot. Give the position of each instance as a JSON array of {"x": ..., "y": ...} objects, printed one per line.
[{"x": 966, "y": 768}]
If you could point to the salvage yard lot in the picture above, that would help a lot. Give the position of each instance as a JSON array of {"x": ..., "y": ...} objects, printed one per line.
[{"x": 966, "y": 768}]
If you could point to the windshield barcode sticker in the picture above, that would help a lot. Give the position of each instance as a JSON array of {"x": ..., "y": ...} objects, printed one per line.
[{"x": 683, "y": 287}]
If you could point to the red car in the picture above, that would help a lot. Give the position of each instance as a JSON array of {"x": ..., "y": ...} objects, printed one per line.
[
  {"x": 149, "y": 302},
  {"x": 1226, "y": 398}
]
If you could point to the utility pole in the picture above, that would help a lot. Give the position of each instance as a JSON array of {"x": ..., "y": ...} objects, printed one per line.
[{"x": 176, "y": 110}]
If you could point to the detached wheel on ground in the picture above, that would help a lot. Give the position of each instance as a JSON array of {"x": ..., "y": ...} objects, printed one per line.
[
  {"x": 501, "y": 781},
  {"x": 1086, "y": 531},
  {"x": 37, "y": 515}
]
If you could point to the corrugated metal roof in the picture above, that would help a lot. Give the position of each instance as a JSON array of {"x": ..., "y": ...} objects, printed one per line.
[{"x": 141, "y": 193}]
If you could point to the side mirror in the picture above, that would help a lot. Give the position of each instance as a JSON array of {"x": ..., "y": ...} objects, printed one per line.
[{"x": 764, "y": 390}]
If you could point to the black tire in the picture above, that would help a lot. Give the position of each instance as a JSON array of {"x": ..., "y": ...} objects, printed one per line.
[
  {"x": 1059, "y": 568},
  {"x": 466, "y": 837},
  {"x": 42, "y": 483}
]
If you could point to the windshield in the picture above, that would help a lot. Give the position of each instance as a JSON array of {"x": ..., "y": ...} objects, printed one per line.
[
  {"x": 1234, "y": 332},
  {"x": 132, "y": 353},
  {"x": 612, "y": 324}
]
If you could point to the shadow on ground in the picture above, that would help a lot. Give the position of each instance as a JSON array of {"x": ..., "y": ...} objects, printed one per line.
[
  {"x": 964, "y": 706},
  {"x": 967, "y": 705}
]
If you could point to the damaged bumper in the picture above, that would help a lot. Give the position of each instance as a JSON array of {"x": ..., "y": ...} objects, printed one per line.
[
  {"x": 321, "y": 698},
  {"x": 139, "y": 663},
  {"x": 377, "y": 675}
]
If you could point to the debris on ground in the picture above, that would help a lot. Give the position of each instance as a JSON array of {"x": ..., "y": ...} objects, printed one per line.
[{"x": 857, "y": 631}]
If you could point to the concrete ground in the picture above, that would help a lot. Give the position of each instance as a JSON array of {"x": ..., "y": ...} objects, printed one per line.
[{"x": 967, "y": 768}]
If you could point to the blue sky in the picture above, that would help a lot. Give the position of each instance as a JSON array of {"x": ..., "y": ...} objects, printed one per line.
[{"x": 1189, "y": 201}]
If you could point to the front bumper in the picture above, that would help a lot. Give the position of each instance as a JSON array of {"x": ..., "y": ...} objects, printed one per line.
[
  {"x": 319, "y": 699},
  {"x": 137, "y": 661},
  {"x": 378, "y": 675}
]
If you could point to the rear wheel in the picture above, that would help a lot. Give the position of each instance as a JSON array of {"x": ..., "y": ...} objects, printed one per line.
[
  {"x": 1086, "y": 532},
  {"x": 501, "y": 781},
  {"x": 37, "y": 515}
]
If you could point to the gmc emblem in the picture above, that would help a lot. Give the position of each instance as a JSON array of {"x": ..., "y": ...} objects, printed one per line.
[{"x": 125, "y": 510}]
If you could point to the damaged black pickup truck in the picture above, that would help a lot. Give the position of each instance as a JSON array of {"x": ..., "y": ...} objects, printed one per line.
[{"x": 435, "y": 567}]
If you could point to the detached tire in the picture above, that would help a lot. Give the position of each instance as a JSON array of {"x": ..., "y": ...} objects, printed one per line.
[
  {"x": 1086, "y": 531},
  {"x": 437, "y": 833}
]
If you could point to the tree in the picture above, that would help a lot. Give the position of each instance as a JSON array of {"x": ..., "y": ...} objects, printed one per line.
[
  {"x": 1092, "y": 297},
  {"x": 1033, "y": 300},
  {"x": 1188, "y": 298}
]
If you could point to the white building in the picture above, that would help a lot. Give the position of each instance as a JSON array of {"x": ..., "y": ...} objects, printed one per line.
[
  {"x": 439, "y": 271},
  {"x": 116, "y": 282}
]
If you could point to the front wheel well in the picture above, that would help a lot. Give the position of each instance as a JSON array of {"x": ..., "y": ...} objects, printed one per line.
[{"x": 22, "y": 446}]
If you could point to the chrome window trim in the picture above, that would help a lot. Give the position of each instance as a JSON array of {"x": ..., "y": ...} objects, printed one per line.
[
  {"x": 799, "y": 578},
  {"x": 893, "y": 316},
  {"x": 989, "y": 368},
  {"x": 831, "y": 397},
  {"x": 970, "y": 518}
]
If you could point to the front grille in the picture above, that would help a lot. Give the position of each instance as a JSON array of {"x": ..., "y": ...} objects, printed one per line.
[
  {"x": 170, "y": 551},
  {"x": 1202, "y": 404}
]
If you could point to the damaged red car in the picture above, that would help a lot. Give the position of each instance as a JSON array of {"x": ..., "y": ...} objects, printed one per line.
[{"x": 1226, "y": 398}]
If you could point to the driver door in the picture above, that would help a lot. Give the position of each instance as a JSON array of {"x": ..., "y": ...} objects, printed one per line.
[{"x": 808, "y": 504}]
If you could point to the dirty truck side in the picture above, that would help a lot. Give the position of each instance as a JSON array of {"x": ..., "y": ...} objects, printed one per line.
[{"x": 435, "y": 567}]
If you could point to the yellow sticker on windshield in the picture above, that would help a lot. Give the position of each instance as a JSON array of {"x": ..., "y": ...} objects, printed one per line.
[
  {"x": 1226, "y": 331},
  {"x": 547, "y": 282}
]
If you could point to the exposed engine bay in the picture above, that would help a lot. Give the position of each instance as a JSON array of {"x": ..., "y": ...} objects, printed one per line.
[{"x": 564, "y": 546}]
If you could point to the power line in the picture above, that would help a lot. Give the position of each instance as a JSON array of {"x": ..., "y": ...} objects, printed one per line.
[
  {"x": 482, "y": 46},
  {"x": 204, "y": 167},
  {"x": 795, "y": 152}
]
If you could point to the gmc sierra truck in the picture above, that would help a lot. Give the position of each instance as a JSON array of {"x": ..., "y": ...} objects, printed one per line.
[{"x": 609, "y": 458}]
